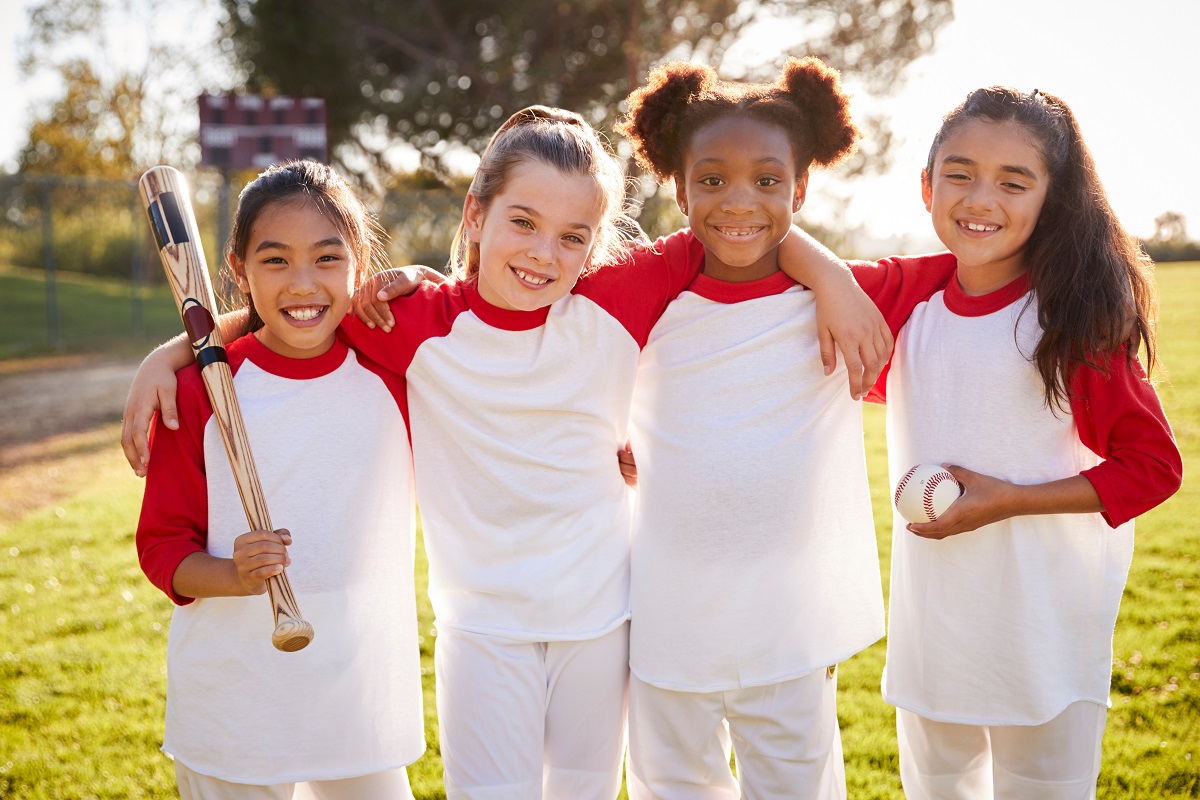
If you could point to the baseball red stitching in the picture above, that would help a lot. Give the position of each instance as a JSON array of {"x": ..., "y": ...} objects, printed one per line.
[
  {"x": 900, "y": 486},
  {"x": 934, "y": 481}
]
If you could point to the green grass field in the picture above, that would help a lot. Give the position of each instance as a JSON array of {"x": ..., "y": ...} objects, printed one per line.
[
  {"x": 93, "y": 314},
  {"x": 83, "y": 635}
]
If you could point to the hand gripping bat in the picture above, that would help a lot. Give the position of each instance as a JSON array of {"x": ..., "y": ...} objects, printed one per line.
[{"x": 165, "y": 195}]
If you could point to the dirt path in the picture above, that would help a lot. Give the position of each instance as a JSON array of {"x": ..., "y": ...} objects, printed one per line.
[
  {"x": 59, "y": 429},
  {"x": 44, "y": 398}
]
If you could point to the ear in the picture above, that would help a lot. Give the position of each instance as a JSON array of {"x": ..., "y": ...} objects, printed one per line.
[
  {"x": 681, "y": 194},
  {"x": 473, "y": 212},
  {"x": 238, "y": 268},
  {"x": 801, "y": 192},
  {"x": 926, "y": 190}
]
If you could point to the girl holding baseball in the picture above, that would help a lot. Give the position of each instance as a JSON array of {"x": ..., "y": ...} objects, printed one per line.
[
  {"x": 754, "y": 567},
  {"x": 341, "y": 718},
  {"x": 520, "y": 376},
  {"x": 1002, "y": 610}
]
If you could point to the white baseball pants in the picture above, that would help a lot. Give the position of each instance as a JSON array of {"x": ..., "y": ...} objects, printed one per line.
[
  {"x": 392, "y": 784},
  {"x": 784, "y": 736},
  {"x": 1059, "y": 760},
  {"x": 529, "y": 720}
]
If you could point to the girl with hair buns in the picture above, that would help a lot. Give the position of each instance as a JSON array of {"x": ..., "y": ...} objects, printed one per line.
[
  {"x": 519, "y": 378},
  {"x": 1002, "y": 610},
  {"x": 754, "y": 565}
]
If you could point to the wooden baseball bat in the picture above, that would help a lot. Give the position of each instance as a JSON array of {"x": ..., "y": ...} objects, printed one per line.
[{"x": 165, "y": 195}]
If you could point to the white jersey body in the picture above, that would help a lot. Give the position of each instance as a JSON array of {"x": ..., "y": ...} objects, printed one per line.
[{"x": 754, "y": 554}]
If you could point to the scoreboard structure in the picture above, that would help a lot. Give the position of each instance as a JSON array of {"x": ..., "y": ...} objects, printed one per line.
[{"x": 250, "y": 131}]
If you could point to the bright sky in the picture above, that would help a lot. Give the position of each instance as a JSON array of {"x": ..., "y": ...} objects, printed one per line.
[{"x": 1129, "y": 70}]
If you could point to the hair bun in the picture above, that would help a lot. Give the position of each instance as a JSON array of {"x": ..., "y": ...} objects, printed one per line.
[
  {"x": 817, "y": 88},
  {"x": 653, "y": 123}
]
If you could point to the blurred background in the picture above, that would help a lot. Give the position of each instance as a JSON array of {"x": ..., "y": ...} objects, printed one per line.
[{"x": 96, "y": 91}]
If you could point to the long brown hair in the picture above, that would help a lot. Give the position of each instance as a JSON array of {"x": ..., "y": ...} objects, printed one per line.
[
  {"x": 316, "y": 183},
  {"x": 1093, "y": 284}
]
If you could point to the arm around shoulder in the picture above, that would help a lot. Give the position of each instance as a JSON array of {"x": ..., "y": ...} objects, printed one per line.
[
  {"x": 847, "y": 319},
  {"x": 153, "y": 389}
]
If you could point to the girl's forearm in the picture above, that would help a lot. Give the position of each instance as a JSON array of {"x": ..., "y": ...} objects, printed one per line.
[
  {"x": 1074, "y": 495},
  {"x": 805, "y": 260},
  {"x": 202, "y": 575}
]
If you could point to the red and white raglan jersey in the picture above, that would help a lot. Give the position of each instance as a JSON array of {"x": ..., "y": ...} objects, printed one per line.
[
  {"x": 331, "y": 447},
  {"x": 1011, "y": 623},
  {"x": 516, "y": 419},
  {"x": 754, "y": 553}
]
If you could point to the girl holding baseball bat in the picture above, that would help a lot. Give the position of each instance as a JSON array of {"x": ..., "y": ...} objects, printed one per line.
[
  {"x": 519, "y": 377},
  {"x": 1025, "y": 372},
  {"x": 341, "y": 718}
]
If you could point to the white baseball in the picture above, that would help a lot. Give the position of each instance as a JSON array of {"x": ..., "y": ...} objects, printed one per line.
[{"x": 925, "y": 492}]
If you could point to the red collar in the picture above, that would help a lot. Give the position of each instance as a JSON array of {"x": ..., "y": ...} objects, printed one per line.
[
  {"x": 501, "y": 318},
  {"x": 966, "y": 305},
  {"x": 736, "y": 292},
  {"x": 300, "y": 369}
]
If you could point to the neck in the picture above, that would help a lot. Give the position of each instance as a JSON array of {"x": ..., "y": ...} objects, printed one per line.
[
  {"x": 719, "y": 270},
  {"x": 984, "y": 279}
]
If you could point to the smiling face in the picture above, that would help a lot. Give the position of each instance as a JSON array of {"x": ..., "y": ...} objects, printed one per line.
[
  {"x": 535, "y": 237},
  {"x": 300, "y": 274},
  {"x": 985, "y": 194},
  {"x": 739, "y": 189}
]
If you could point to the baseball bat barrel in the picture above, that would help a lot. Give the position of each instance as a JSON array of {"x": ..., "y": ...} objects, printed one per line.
[{"x": 165, "y": 195}]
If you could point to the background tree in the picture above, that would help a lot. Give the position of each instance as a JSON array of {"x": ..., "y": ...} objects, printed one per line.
[
  {"x": 1170, "y": 226},
  {"x": 128, "y": 79},
  {"x": 1170, "y": 240},
  {"x": 90, "y": 130},
  {"x": 436, "y": 74},
  {"x": 127, "y": 75}
]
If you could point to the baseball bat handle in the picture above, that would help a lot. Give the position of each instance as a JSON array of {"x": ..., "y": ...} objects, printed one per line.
[{"x": 165, "y": 196}]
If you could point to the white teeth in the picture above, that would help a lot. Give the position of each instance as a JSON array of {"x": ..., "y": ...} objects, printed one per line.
[
  {"x": 304, "y": 314},
  {"x": 739, "y": 231},
  {"x": 975, "y": 226},
  {"x": 525, "y": 276}
]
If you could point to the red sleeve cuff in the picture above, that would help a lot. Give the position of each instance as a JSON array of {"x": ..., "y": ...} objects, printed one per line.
[{"x": 159, "y": 564}]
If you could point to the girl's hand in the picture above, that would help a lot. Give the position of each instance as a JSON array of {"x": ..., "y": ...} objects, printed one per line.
[
  {"x": 848, "y": 318},
  {"x": 984, "y": 500},
  {"x": 628, "y": 465},
  {"x": 259, "y": 555},
  {"x": 370, "y": 302},
  {"x": 153, "y": 389}
]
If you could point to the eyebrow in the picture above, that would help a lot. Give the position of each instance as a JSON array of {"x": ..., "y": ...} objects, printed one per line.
[
  {"x": 769, "y": 160},
  {"x": 534, "y": 213},
  {"x": 269, "y": 244},
  {"x": 1014, "y": 168}
]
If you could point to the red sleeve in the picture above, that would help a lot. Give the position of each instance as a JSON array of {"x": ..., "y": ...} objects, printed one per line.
[
  {"x": 427, "y": 312},
  {"x": 1120, "y": 419},
  {"x": 174, "y": 518},
  {"x": 898, "y": 285},
  {"x": 637, "y": 291}
]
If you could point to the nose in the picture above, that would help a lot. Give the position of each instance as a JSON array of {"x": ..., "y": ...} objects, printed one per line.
[
  {"x": 980, "y": 196},
  {"x": 737, "y": 200},
  {"x": 304, "y": 280},
  {"x": 540, "y": 250}
]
